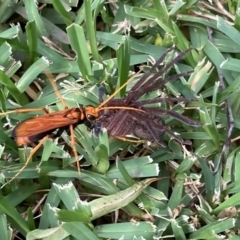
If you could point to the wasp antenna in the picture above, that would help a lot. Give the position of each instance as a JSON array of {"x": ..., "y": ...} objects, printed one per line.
[
  {"x": 28, "y": 159},
  {"x": 118, "y": 90},
  {"x": 123, "y": 108}
]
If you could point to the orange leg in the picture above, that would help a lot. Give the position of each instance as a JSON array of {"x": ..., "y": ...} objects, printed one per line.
[
  {"x": 74, "y": 148},
  {"x": 32, "y": 152},
  {"x": 54, "y": 85}
]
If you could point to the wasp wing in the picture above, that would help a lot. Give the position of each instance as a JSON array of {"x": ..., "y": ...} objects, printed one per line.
[{"x": 47, "y": 123}]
